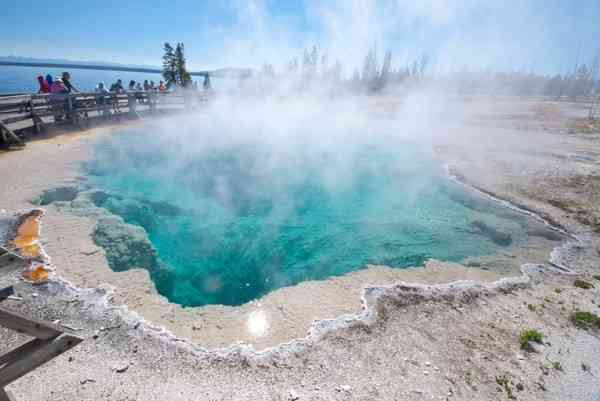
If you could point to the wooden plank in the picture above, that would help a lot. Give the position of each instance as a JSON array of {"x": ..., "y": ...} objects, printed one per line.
[
  {"x": 6, "y": 395},
  {"x": 6, "y": 292},
  {"x": 34, "y": 328},
  {"x": 9, "y": 133},
  {"x": 53, "y": 347},
  {"x": 16, "y": 119},
  {"x": 22, "y": 350},
  {"x": 10, "y": 107},
  {"x": 38, "y": 123}
]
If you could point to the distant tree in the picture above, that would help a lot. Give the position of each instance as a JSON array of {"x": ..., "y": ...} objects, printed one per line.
[
  {"x": 292, "y": 66},
  {"x": 314, "y": 58},
  {"x": 268, "y": 70},
  {"x": 554, "y": 86},
  {"x": 169, "y": 65},
  {"x": 324, "y": 64},
  {"x": 595, "y": 83},
  {"x": 384, "y": 75},
  {"x": 336, "y": 71},
  {"x": 182, "y": 77},
  {"x": 580, "y": 83},
  {"x": 423, "y": 62},
  {"x": 415, "y": 69},
  {"x": 306, "y": 63},
  {"x": 370, "y": 68}
]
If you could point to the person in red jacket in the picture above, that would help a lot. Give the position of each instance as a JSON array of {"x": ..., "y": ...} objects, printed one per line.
[{"x": 44, "y": 87}]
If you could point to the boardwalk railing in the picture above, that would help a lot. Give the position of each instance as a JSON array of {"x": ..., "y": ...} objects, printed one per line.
[
  {"x": 49, "y": 341},
  {"x": 39, "y": 110}
]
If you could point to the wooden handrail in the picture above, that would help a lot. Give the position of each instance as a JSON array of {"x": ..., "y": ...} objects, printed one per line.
[
  {"x": 50, "y": 341},
  {"x": 77, "y": 106}
]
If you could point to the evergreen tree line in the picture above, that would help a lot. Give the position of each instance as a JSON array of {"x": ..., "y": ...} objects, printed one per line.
[
  {"x": 374, "y": 75},
  {"x": 174, "y": 69},
  {"x": 582, "y": 81}
]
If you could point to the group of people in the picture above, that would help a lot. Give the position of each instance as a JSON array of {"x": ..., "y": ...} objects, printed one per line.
[
  {"x": 56, "y": 85},
  {"x": 63, "y": 85},
  {"x": 134, "y": 86}
]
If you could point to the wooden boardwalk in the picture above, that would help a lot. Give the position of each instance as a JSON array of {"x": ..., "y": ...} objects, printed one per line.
[{"x": 23, "y": 115}]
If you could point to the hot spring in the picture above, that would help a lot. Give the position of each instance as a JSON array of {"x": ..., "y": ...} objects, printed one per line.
[{"x": 236, "y": 212}]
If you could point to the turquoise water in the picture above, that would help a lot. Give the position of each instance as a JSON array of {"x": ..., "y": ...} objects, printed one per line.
[{"x": 232, "y": 222}]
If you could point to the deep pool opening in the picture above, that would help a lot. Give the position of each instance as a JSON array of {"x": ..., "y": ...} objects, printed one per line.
[{"x": 225, "y": 227}]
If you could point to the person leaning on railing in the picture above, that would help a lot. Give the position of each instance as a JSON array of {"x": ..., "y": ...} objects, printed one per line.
[
  {"x": 138, "y": 95},
  {"x": 115, "y": 89},
  {"x": 44, "y": 87},
  {"x": 102, "y": 97},
  {"x": 66, "y": 78},
  {"x": 58, "y": 93}
]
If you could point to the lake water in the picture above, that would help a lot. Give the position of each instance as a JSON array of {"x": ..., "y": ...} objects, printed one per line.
[
  {"x": 24, "y": 79},
  {"x": 231, "y": 222}
]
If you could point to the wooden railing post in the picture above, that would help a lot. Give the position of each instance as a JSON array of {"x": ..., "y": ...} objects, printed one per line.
[
  {"x": 69, "y": 106},
  {"x": 132, "y": 104},
  {"x": 6, "y": 395},
  {"x": 72, "y": 111},
  {"x": 6, "y": 133},
  {"x": 50, "y": 341},
  {"x": 152, "y": 102},
  {"x": 38, "y": 122}
]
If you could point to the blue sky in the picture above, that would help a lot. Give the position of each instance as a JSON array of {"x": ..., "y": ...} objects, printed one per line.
[{"x": 539, "y": 35}]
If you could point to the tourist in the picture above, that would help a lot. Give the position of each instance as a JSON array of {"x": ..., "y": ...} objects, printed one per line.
[
  {"x": 58, "y": 87},
  {"x": 146, "y": 85},
  {"x": 162, "y": 87},
  {"x": 66, "y": 78},
  {"x": 152, "y": 87},
  {"x": 117, "y": 87},
  {"x": 131, "y": 85},
  {"x": 138, "y": 95},
  {"x": 44, "y": 87},
  {"x": 103, "y": 98},
  {"x": 58, "y": 101},
  {"x": 49, "y": 80},
  {"x": 101, "y": 88}
]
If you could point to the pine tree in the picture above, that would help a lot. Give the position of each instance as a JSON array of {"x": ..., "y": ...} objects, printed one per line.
[
  {"x": 370, "y": 68},
  {"x": 336, "y": 72},
  {"x": 306, "y": 62},
  {"x": 324, "y": 64},
  {"x": 314, "y": 59},
  {"x": 182, "y": 77},
  {"x": 423, "y": 62},
  {"x": 293, "y": 65},
  {"x": 169, "y": 65},
  {"x": 384, "y": 76}
]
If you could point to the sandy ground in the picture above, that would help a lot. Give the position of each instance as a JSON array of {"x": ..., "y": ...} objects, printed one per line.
[{"x": 410, "y": 343}]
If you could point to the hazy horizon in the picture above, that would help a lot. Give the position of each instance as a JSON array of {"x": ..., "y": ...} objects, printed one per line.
[{"x": 542, "y": 36}]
